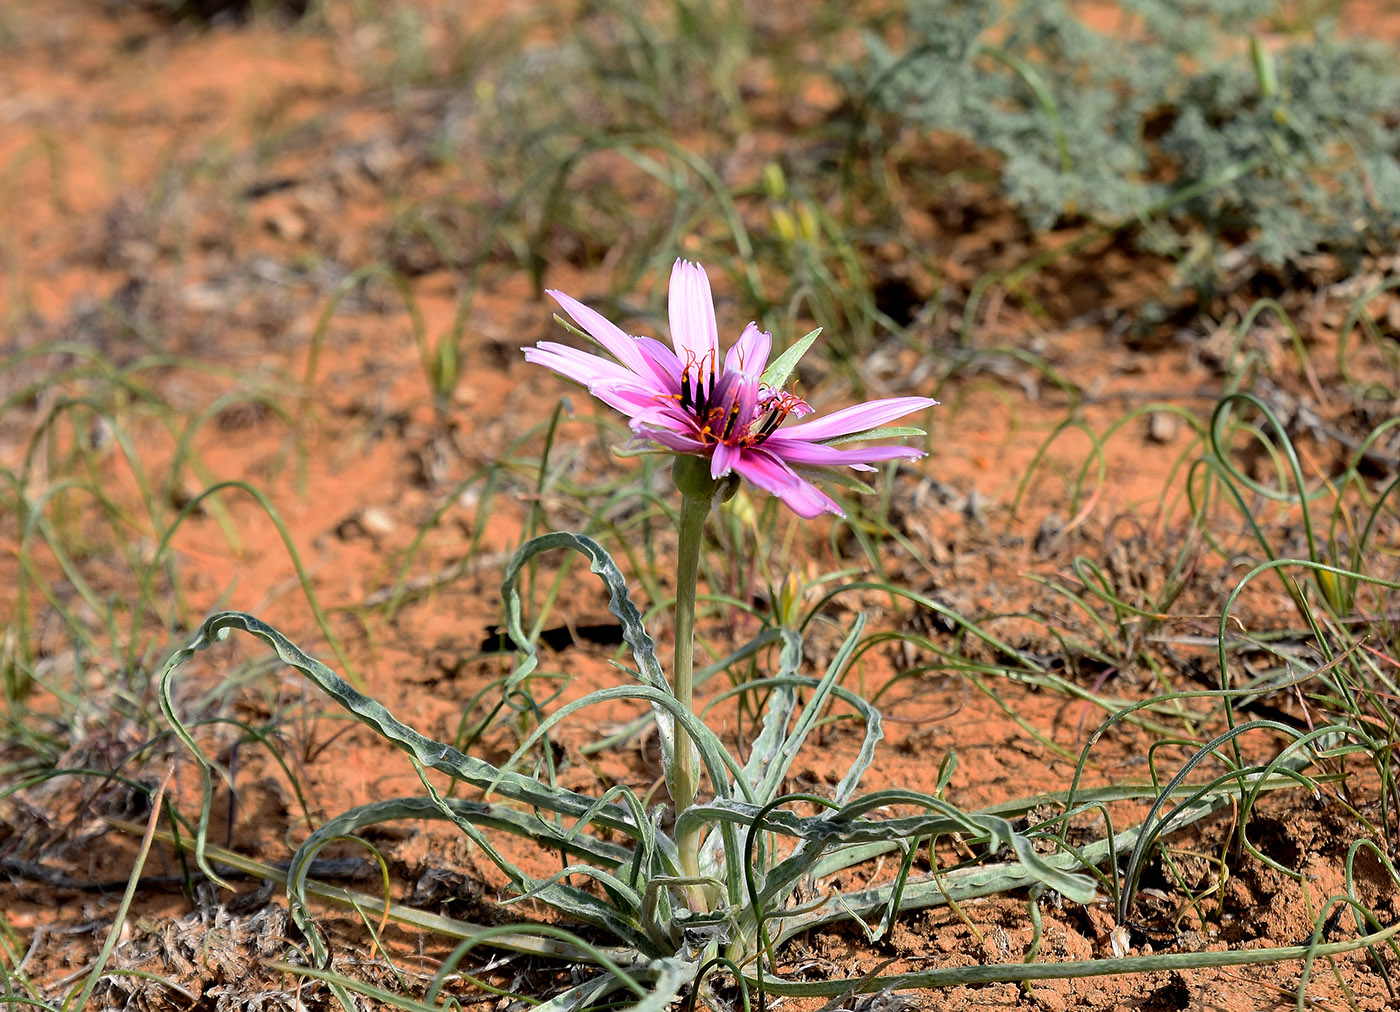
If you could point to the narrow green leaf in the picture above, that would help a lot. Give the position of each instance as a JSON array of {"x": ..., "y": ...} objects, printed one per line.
[
  {"x": 841, "y": 479},
  {"x": 782, "y": 703},
  {"x": 815, "y": 707},
  {"x": 574, "y": 902},
  {"x": 719, "y": 764},
  {"x": 884, "y": 432},
  {"x": 432, "y": 754},
  {"x": 1072, "y": 969},
  {"x": 778, "y": 371},
  {"x": 635, "y": 727},
  {"x": 643, "y": 450},
  {"x": 1078, "y": 888},
  {"x": 634, "y": 633}
]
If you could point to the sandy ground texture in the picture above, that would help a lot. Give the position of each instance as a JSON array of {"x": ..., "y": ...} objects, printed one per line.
[{"x": 191, "y": 203}]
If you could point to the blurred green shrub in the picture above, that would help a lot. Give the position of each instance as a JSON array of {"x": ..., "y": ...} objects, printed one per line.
[{"x": 1184, "y": 114}]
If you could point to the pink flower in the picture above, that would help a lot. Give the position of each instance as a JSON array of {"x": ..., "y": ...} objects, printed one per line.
[{"x": 686, "y": 402}]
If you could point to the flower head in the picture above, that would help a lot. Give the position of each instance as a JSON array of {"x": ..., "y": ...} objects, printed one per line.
[{"x": 731, "y": 413}]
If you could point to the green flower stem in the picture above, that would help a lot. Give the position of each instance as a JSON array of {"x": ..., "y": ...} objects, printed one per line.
[
  {"x": 686, "y": 776},
  {"x": 692, "y": 477}
]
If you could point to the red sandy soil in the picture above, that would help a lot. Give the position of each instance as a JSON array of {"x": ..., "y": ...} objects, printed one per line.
[{"x": 213, "y": 186}]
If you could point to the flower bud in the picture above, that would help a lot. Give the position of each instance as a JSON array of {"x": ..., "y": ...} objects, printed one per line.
[
  {"x": 784, "y": 225},
  {"x": 774, "y": 184},
  {"x": 789, "y": 604}
]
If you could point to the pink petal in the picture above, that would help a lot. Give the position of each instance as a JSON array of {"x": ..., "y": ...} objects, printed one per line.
[
  {"x": 750, "y": 353},
  {"x": 639, "y": 405},
  {"x": 858, "y": 418},
  {"x": 672, "y": 440},
  {"x": 665, "y": 413},
  {"x": 579, "y": 366},
  {"x": 613, "y": 384},
  {"x": 724, "y": 458},
  {"x": 653, "y": 413},
  {"x": 808, "y": 501},
  {"x": 799, "y": 451},
  {"x": 694, "y": 332},
  {"x": 770, "y": 473},
  {"x": 621, "y": 345},
  {"x": 663, "y": 362}
]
